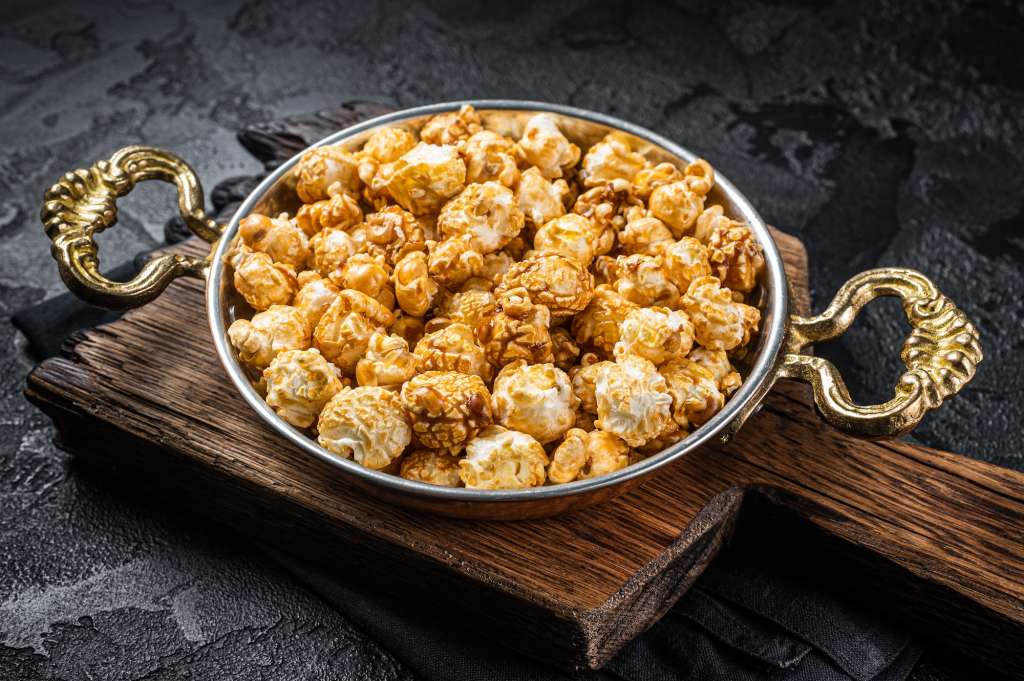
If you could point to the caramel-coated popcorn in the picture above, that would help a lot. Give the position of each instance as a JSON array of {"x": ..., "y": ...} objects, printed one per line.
[
  {"x": 490, "y": 156},
  {"x": 677, "y": 206},
  {"x": 341, "y": 211},
  {"x": 585, "y": 454},
  {"x": 367, "y": 424},
  {"x": 598, "y": 324},
  {"x": 699, "y": 176},
  {"x": 414, "y": 288},
  {"x": 453, "y": 127},
  {"x": 278, "y": 328},
  {"x": 314, "y": 297},
  {"x": 571, "y": 235},
  {"x": 299, "y": 384},
  {"x": 387, "y": 362},
  {"x": 324, "y": 170},
  {"x": 655, "y": 333},
  {"x": 279, "y": 237},
  {"x": 518, "y": 330},
  {"x": 389, "y": 144},
  {"x": 684, "y": 261},
  {"x": 561, "y": 284},
  {"x": 735, "y": 256},
  {"x": 544, "y": 146},
  {"x": 540, "y": 199},
  {"x": 369, "y": 275},
  {"x": 536, "y": 399},
  {"x": 471, "y": 308},
  {"x": 331, "y": 248},
  {"x": 611, "y": 159},
  {"x": 606, "y": 207},
  {"x": 499, "y": 458},
  {"x": 643, "y": 233},
  {"x": 453, "y": 261},
  {"x": 261, "y": 281},
  {"x": 396, "y": 231},
  {"x": 650, "y": 178},
  {"x": 720, "y": 323},
  {"x": 632, "y": 400},
  {"x": 424, "y": 178},
  {"x": 453, "y": 348},
  {"x": 694, "y": 391},
  {"x": 642, "y": 279},
  {"x": 433, "y": 466},
  {"x": 564, "y": 348},
  {"x": 447, "y": 408},
  {"x": 487, "y": 214},
  {"x": 343, "y": 332},
  {"x": 717, "y": 362}
]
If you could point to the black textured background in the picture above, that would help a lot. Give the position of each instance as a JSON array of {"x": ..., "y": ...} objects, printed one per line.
[{"x": 881, "y": 133}]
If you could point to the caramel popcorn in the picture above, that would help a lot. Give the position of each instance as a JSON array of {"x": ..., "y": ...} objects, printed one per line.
[
  {"x": 278, "y": 328},
  {"x": 518, "y": 330},
  {"x": 414, "y": 288},
  {"x": 424, "y": 177},
  {"x": 598, "y": 324},
  {"x": 299, "y": 384},
  {"x": 694, "y": 391},
  {"x": 367, "y": 424},
  {"x": 540, "y": 199},
  {"x": 712, "y": 218},
  {"x": 641, "y": 279},
  {"x": 643, "y": 233},
  {"x": 499, "y": 458},
  {"x": 657, "y": 334},
  {"x": 261, "y": 281},
  {"x": 606, "y": 207},
  {"x": 717, "y": 362},
  {"x": 684, "y": 261},
  {"x": 632, "y": 400},
  {"x": 433, "y": 466},
  {"x": 331, "y": 248},
  {"x": 453, "y": 348},
  {"x": 396, "y": 231},
  {"x": 720, "y": 323},
  {"x": 585, "y": 454},
  {"x": 389, "y": 144},
  {"x": 735, "y": 256},
  {"x": 447, "y": 408},
  {"x": 536, "y": 399},
  {"x": 572, "y": 235},
  {"x": 564, "y": 348},
  {"x": 544, "y": 146},
  {"x": 314, "y": 297},
  {"x": 343, "y": 332},
  {"x": 369, "y": 275},
  {"x": 486, "y": 213},
  {"x": 584, "y": 381},
  {"x": 677, "y": 206},
  {"x": 699, "y": 177},
  {"x": 452, "y": 128},
  {"x": 279, "y": 237},
  {"x": 408, "y": 327},
  {"x": 387, "y": 362},
  {"x": 559, "y": 283},
  {"x": 489, "y": 156},
  {"x": 341, "y": 211},
  {"x": 650, "y": 178},
  {"x": 325, "y": 168},
  {"x": 611, "y": 159}
]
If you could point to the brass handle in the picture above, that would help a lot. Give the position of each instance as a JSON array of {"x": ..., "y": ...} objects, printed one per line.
[
  {"x": 941, "y": 353},
  {"x": 83, "y": 203}
]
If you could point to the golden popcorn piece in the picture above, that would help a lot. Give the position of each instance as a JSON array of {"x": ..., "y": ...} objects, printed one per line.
[
  {"x": 677, "y": 206},
  {"x": 432, "y": 466},
  {"x": 712, "y": 218},
  {"x": 584, "y": 381},
  {"x": 471, "y": 308},
  {"x": 672, "y": 435},
  {"x": 389, "y": 144},
  {"x": 605, "y": 270},
  {"x": 487, "y": 214},
  {"x": 540, "y": 199},
  {"x": 446, "y": 408},
  {"x": 606, "y": 207},
  {"x": 343, "y": 332},
  {"x": 331, "y": 248},
  {"x": 499, "y": 458},
  {"x": 279, "y": 237},
  {"x": 559, "y": 283},
  {"x": 453, "y": 261},
  {"x": 643, "y": 233},
  {"x": 641, "y": 279},
  {"x": 717, "y": 362},
  {"x": 341, "y": 211},
  {"x": 314, "y": 297},
  {"x": 408, "y": 327},
  {"x": 490, "y": 156},
  {"x": 699, "y": 177},
  {"x": 610, "y": 159},
  {"x": 584, "y": 454},
  {"x": 423, "y": 178},
  {"x": 396, "y": 231},
  {"x": 650, "y": 178},
  {"x": 694, "y": 390},
  {"x": 517, "y": 330},
  {"x": 299, "y": 384},
  {"x": 277, "y": 329},
  {"x": 564, "y": 348},
  {"x": 367, "y": 424},
  {"x": 387, "y": 362},
  {"x": 543, "y": 145},
  {"x": 414, "y": 288},
  {"x": 323, "y": 168},
  {"x": 536, "y": 399},
  {"x": 572, "y": 235},
  {"x": 632, "y": 400},
  {"x": 684, "y": 261},
  {"x": 720, "y": 323},
  {"x": 261, "y": 281},
  {"x": 453, "y": 348},
  {"x": 367, "y": 274},
  {"x": 657, "y": 334},
  {"x": 735, "y": 256},
  {"x": 598, "y": 324},
  {"x": 452, "y": 127}
]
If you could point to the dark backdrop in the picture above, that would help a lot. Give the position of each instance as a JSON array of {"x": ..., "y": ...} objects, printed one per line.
[{"x": 881, "y": 133}]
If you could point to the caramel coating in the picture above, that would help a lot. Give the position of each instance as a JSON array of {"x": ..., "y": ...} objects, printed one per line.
[
  {"x": 606, "y": 207},
  {"x": 278, "y": 328},
  {"x": 583, "y": 455},
  {"x": 323, "y": 168},
  {"x": 717, "y": 362},
  {"x": 424, "y": 177},
  {"x": 341, "y": 211},
  {"x": 710, "y": 219},
  {"x": 453, "y": 261},
  {"x": 367, "y": 274},
  {"x": 471, "y": 308},
  {"x": 499, "y": 458},
  {"x": 610, "y": 159},
  {"x": 571, "y": 235},
  {"x": 396, "y": 231},
  {"x": 561, "y": 284},
  {"x": 536, "y": 399},
  {"x": 643, "y": 233},
  {"x": 414, "y": 288},
  {"x": 657, "y": 334},
  {"x": 719, "y": 322},
  {"x": 387, "y": 362},
  {"x": 650, "y": 178},
  {"x": 314, "y": 297},
  {"x": 699, "y": 176},
  {"x": 564, "y": 348},
  {"x": 331, "y": 248},
  {"x": 261, "y": 281},
  {"x": 452, "y": 127},
  {"x": 447, "y": 408},
  {"x": 584, "y": 381},
  {"x": 684, "y": 261},
  {"x": 279, "y": 237},
  {"x": 453, "y": 348},
  {"x": 490, "y": 156},
  {"x": 343, "y": 332},
  {"x": 299, "y": 384},
  {"x": 677, "y": 206},
  {"x": 632, "y": 400},
  {"x": 408, "y": 327},
  {"x": 432, "y": 466},
  {"x": 389, "y": 144},
  {"x": 518, "y": 330},
  {"x": 367, "y": 424},
  {"x": 735, "y": 256},
  {"x": 486, "y": 213},
  {"x": 694, "y": 391},
  {"x": 641, "y": 279},
  {"x": 598, "y": 324},
  {"x": 540, "y": 199},
  {"x": 544, "y": 146}
]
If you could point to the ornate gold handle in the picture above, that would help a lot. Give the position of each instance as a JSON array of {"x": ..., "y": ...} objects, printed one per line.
[
  {"x": 83, "y": 203},
  {"x": 941, "y": 353}
]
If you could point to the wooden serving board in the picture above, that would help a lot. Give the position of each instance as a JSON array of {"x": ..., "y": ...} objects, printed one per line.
[{"x": 939, "y": 538}]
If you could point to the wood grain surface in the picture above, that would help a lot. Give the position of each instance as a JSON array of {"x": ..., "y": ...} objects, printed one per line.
[{"x": 940, "y": 538}]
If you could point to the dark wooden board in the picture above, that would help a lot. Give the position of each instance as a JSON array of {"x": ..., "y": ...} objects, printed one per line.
[{"x": 939, "y": 536}]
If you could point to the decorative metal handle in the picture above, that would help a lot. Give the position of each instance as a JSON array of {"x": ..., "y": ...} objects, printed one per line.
[
  {"x": 84, "y": 202},
  {"x": 941, "y": 353}
]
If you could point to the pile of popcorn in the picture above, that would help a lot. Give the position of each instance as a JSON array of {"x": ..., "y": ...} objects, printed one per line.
[{"x": 466, "y": 309}]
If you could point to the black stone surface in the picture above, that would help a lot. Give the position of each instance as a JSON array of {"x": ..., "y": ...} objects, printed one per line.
[{"x": 881, "y": 133}]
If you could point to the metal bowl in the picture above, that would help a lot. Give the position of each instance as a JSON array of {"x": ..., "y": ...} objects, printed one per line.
[{"x": 940, "y": 354}]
